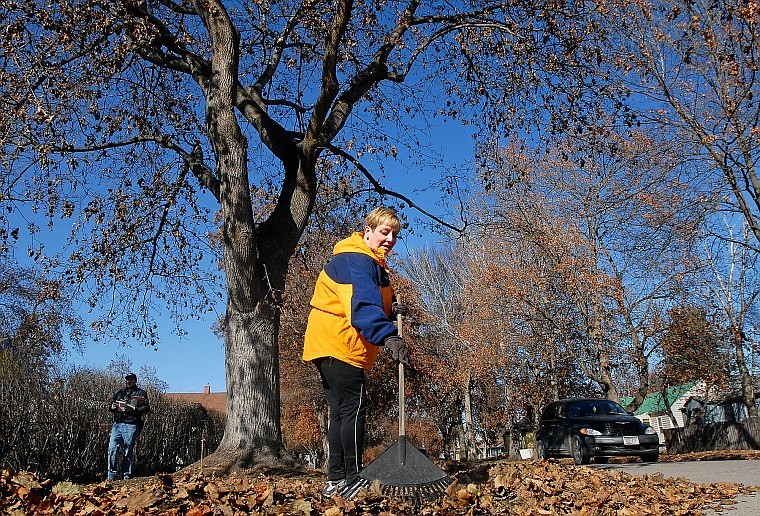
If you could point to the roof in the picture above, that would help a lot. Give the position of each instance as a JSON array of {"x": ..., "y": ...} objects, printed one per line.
[
  {"x": 212, "y": 401},
  {"x": 653, "y": 402}
]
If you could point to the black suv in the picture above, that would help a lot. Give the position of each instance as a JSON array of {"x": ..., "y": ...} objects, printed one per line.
[{"x": 582, "y": 428}]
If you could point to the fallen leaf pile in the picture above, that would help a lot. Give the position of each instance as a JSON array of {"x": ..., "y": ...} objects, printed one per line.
[
  {"x": 694, "y": 456},
  {"x": 551, "y": 487},
  {"x": 497, "y": 487},
  {"x": 712, "y": 455}
]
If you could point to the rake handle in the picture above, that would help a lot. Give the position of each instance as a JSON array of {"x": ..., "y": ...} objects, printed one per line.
[{"x": 401, "y": 401}]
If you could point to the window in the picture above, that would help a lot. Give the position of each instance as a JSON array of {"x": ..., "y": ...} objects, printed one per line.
[
  {"x": 664, "y": 422},
  {"x": 714, "y": 414},
  {"x": 551, "y": 411},
  {"x": 739, "y": 411}
]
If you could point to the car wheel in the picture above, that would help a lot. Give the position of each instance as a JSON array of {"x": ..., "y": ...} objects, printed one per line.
[
  {"x": 540, "y": 450},
  {"x": 650, "y": 457},
  {"x": 579, "y": 451}
]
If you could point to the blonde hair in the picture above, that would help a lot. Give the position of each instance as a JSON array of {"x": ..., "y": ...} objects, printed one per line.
[{"x": 383, "y": 215}]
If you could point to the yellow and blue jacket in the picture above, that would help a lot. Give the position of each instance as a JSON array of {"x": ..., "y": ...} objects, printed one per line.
[{"x": 351, "y": 305}]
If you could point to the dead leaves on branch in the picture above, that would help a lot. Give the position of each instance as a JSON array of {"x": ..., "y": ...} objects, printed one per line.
[{"x": 523, "y": 488}]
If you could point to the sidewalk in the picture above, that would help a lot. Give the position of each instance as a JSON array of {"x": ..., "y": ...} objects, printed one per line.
[{"x": 745, "y": 472}]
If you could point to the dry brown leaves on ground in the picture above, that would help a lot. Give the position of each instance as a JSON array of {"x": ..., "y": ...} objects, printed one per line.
[
  {"x": 501, "y": 487},
  {"x": 690, "y": 457},
  {"x": 712, "y": 455}
]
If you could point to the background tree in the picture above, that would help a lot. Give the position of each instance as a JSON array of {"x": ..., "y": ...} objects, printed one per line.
[
  {"x": 733, "y": 289},
  {"x": 159, "y": 128},
  {"x": 692, "y": 67},
  {"x": 441, "y": 278},
  {"x": 35, "y": 319},
  {"x": 692, "y": 349},
  {"x": 613, "y": 223},
  {"x": 524, "y": 315}
]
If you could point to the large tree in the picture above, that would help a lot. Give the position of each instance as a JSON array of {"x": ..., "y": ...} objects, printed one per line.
[{"x": 167, "y": 134}]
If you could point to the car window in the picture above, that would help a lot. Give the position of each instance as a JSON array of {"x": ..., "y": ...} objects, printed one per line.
[
  {"x": 577, "y": 410},
  {"x": 613, "y": 408},
  {"x": 593, "y": 408},
  {"x": 550, "y": 412}
]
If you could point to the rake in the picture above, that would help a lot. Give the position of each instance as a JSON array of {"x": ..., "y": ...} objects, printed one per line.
[{"x": 401, "y": 471}]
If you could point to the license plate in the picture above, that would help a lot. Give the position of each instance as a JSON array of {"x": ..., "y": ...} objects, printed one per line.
[{"x": 631, "y": 440}]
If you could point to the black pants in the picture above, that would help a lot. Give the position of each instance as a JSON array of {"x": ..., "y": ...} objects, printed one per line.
[{"x": 344, "y": 389}]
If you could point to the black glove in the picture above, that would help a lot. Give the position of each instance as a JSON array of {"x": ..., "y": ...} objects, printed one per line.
[
  {"x": 398, "y": 348},
  {"x": 398, "y": 309}
]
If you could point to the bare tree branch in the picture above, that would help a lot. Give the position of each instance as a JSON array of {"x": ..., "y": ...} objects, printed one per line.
[{"x": 385, "y": 191}]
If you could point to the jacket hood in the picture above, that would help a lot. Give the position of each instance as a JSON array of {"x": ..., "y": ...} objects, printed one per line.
[{"x": 355, "y": 244}]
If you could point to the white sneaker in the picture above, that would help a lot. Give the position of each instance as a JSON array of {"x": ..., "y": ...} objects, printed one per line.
[{"x": 332, "y": 487}]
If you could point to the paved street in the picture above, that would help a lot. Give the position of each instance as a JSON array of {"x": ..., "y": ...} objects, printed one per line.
[{"x": 745, "y": 472}]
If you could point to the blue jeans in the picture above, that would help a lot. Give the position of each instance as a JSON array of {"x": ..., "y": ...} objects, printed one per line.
[{"x": 124, "y": 435}]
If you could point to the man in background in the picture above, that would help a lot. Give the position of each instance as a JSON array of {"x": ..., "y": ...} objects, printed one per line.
[{"x": 129, "y": 406}]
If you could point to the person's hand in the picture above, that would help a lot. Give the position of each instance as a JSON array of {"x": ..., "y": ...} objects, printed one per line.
[
  {"x": 398, "y": 348},
  {"x": 398, "y": 309}
]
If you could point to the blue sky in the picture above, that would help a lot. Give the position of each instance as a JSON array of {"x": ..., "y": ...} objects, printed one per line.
[
  {"x": 185, "y": 363},
  {"x": 190, "y": 362}
]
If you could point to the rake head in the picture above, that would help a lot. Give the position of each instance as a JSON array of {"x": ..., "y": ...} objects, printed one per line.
[{"x": 402, "y": 471}]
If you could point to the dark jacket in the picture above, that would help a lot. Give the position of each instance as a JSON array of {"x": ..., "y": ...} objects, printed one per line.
[{"x": 129, "y": 405}]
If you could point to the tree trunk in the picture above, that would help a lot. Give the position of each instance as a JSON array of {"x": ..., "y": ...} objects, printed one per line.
[
  {"x": 448, "y": 431},
  {"x": 603, "y": 374},
  {"x": 605, "y": 370},
  {"x": 322, "y": 420},
  {"x": 255, "y": 264},
  {"x": 469, "y": 436},
  {"x": 748, "y": 386},
  {"x": 668, "y": 404},
  {"x": 553, "y": 373},
  {"x": 515, "y": 441},
  {"x": 640, "y": 360},
  {"x": 461, "y": 446},
  {"x": 252, "y": 436}
]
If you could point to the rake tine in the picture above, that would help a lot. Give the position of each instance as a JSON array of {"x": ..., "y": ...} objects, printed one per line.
[
  {"x": 351, "y": 490},
  {"x": 412, "y": 493}
]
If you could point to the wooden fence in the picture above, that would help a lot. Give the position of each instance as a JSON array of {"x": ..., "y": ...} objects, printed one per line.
[{"x": 714, "y": 436}]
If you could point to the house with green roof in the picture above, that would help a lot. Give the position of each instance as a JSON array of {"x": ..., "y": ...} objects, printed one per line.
[{"x": 654, "y": 410}]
